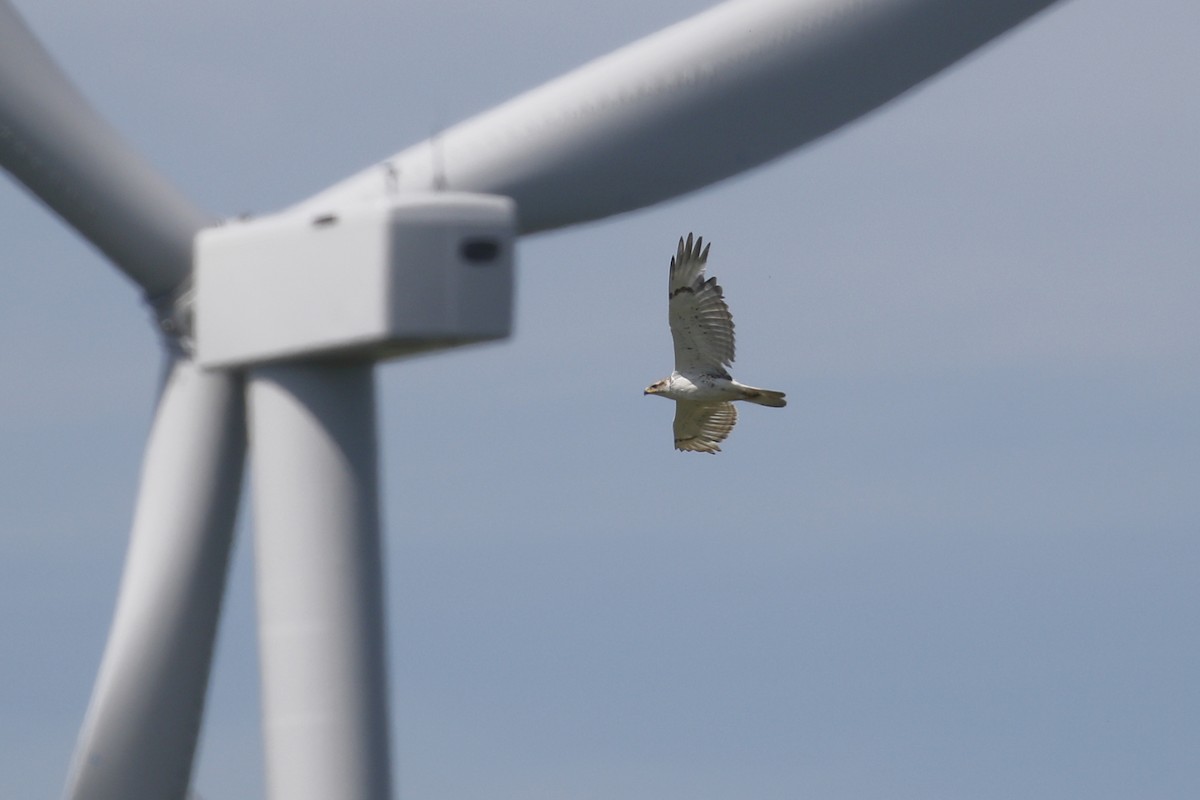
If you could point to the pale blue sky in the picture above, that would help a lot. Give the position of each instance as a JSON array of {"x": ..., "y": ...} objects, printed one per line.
[{"x": 961, "y": 564}]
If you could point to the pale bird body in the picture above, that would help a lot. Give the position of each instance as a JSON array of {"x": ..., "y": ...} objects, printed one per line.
[{"x": 702, "y": 330}]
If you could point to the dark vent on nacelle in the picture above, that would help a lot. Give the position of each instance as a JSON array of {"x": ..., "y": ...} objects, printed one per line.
[{"x": 479, "y": 250}]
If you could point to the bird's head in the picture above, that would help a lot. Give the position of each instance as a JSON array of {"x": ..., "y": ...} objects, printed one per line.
[{"x": 657, "y": 388}]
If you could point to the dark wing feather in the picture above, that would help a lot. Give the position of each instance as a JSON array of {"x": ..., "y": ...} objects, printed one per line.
[
  {"x": 702, "y": 426},
  {"x": 701, "y": 325}
]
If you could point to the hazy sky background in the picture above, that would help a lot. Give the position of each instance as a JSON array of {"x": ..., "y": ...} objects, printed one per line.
[{"x": 963, "y": 562}]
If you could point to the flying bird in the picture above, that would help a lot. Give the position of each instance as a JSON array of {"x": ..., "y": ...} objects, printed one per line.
[{"x": 702, "y": 329}]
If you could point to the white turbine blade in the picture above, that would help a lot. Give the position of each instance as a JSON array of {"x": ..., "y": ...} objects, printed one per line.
[
  {"x": 139, "y": 735},
  {"x": 54, "y": 143},
  {"x": 702, "y": 100}
]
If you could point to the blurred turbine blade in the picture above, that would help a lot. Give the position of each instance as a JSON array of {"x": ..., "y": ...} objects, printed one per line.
[
  {"x": 702, "y": 100},
  {"x": 53, "y": 142},
  {"x": 139, "y": 735}
]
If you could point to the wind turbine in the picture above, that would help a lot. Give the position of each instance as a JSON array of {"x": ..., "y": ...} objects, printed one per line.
[{"x": 273, "y": 325}]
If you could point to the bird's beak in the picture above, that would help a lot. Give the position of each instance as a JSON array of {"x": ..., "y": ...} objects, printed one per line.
[{"x": 649, "y": 390}]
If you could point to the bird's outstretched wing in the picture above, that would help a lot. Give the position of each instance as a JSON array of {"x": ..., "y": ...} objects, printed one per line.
[
  {"x": 702, "y": 426},
  {"x": 701, "y": 324}
]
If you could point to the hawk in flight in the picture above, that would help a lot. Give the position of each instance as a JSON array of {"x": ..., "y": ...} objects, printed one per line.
[{"x": 702, "y": 329}]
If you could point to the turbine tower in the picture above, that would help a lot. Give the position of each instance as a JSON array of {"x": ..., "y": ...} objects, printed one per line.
[{"x": 272, "y": 327}]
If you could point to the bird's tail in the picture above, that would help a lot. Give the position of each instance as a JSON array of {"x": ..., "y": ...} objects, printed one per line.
[{"x": 764, "y": 397}]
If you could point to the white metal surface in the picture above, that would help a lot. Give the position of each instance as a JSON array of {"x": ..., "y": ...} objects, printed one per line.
[
  {"x": 139, "y": 735},
  {"x": 392, "y": 277},
  {"x": 54, "y": 143},
  {"x": 710, "y": 97},
  {"x": 325, "y": 718}
]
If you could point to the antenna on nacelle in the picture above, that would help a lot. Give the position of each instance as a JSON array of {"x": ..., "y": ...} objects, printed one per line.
[{"x": 438, "y": 161}]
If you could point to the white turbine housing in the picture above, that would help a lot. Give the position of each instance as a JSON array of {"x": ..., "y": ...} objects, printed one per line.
[{"x": 376, "y": 280}]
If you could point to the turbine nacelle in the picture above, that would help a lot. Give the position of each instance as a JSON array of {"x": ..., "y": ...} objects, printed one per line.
[{"x": 406, "y": 274}]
